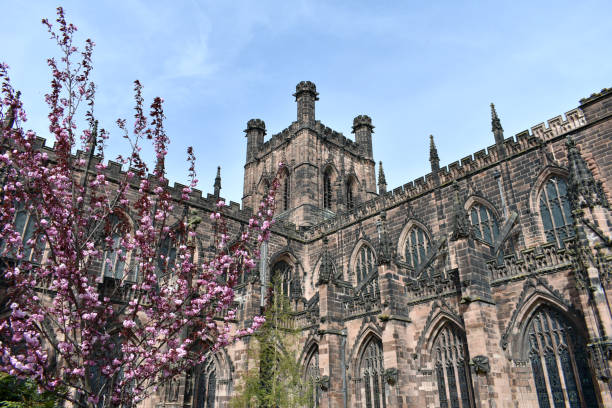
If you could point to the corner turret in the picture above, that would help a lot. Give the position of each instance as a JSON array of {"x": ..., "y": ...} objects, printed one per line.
[
  {"x": 255, "y": 132},
  {"x": 306, "y": 95},
  {"x": 363, "y": 129}
]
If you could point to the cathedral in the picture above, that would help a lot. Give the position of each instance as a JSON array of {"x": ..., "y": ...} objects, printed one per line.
[{"x": 482, "y": 284}]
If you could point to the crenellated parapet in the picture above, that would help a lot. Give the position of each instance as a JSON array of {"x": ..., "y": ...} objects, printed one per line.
[
  {"x": 540, "y": 259},
  {"x": 558, "y": 126}
]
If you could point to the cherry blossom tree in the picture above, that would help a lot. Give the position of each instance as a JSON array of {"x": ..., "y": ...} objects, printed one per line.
[{"x": 98, "y": 310}]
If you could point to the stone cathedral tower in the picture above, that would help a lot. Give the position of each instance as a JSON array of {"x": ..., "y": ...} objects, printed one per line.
[{"x": 326, "y": 172}]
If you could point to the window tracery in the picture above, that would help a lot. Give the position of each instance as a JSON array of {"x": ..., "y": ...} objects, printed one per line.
[
  {"x": 206, "y": 384},
  {"x": 451, "y": 368},
  {"x": 558, "y": 361},
  {"x": 25, "y": 225},
  {"x": 484, "y": 223},
  {"x": 555, "y": 211},
  {"x": 365, "y": 263},
  {"x": 282, "y": 273},
  {"x": 417, "y": 246},
  {"x": 371, "y": 371}
]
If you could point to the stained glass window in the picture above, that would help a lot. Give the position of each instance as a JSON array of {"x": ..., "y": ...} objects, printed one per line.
[
  {"x": 372, "y": 374},
  {"x": 417, "y": 246},
  {"x": 451, "y": 368},
  {"x": 364, "y": 263},
  {"x": 484, "y": 223},
  {"x": 558, "y": 358},
  {"x": 167, "y": 255},
  {"x": 556, "y": 212}
]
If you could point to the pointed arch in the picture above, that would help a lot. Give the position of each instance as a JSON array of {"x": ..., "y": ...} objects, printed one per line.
[
  {"x": 312, "y": 373},
  {"x": 450, "y": 358},
  {"x": 328, "y": 180},
  {"x": 439, "y": 318},
  {"x": 285, "y": 189},
  {"x": 414, "y": 242},
  {"x": 558, "y": 358},
  {"x": 351, "y": 191},
  {"x": 484, "y": 218},
  {"x": 369, "y": 369},
  {"x": 549, "y": 201},
  {"x": 362, "y": 262}
]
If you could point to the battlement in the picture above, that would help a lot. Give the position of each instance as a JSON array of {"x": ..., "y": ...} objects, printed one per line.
[
  {"x": 596, "y": 95},
  {"x": 325, "y": 132},
  {"x": 476, "y": 162},
  {"x": 116, "y": 172}
]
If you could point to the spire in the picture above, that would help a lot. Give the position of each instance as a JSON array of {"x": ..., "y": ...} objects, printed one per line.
[
  {"x": 9, "y": 119},
  {"x": 433, "y": 155},
  {"x": 218, "y": 182},
  {"x": 382, "y": 181},
  {"x": 583, "y": 189},
  {"x": 496, "y": 128},
  {"x": 461, "y": 227}
]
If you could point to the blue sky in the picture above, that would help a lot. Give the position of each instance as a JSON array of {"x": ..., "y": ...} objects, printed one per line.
[{"x": 417, "y": 68}]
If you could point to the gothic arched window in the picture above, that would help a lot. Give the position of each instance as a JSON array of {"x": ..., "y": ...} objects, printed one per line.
[
  {"x": 371, "y": 371},
  {"x": 417, "y": 246},
  {"x": 167, "y": 255},
  {"x": 365, "y": 263},
  {"x": 452, "y": 370},
  {"x": 350, "y": 194},
  {"x": 282, "y": 274},
  {"x": 206, "y": 384},
  {"x": 327, "y": 189},
  {"x": 313, "y": 375},
  {"x": 556, "y": 212},
  {"x": 484, "y": 223},
  {"x": 113, "y": 262},
  {"x": 558, "y": 359},
  {"x": 25, "y": 225}
]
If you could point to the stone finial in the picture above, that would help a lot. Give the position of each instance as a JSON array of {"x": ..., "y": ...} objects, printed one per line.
[
  {"x": 218, "y": 182},
  {"x": 433, "y": 155},
  {"x": 461, "y": 227},
  {"x": 498, "y": 131},
  {"x": 9, "y": 119},
  {"x": 583, "y": 189},
  {"x": 382, "y": 181}
]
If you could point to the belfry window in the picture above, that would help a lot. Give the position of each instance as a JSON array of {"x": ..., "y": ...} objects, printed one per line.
[
  {"x": 364, "y": 263},
  {"x": 484, "y": 223},
  {"x": 371, "y": 371},
  {"x": 350, "y": 198},
  {"x": 417, "y": 246},
  {"x": 451, "y": 369},
  {"x": 559, "y": 362},
  {"x": 556, "y": 212},
  {"x": 327, "y": 189}
]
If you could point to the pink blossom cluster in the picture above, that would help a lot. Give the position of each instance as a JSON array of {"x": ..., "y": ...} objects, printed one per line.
[{"x": 103, "y": 341}]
